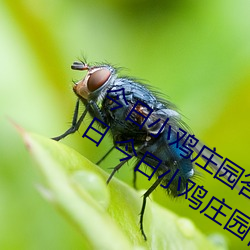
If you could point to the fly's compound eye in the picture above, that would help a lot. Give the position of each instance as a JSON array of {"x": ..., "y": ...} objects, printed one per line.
[{"x": 97, "y": 79}]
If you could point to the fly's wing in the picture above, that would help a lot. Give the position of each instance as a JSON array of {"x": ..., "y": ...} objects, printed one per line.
[
  {"x": 161, "y": 119},
  {"x": 167, "y": 120},
  {"x": 175, "y": 122},
  {"x": 216, "y": 160}
]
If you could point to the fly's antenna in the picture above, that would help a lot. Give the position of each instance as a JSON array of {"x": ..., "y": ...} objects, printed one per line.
[{"x": 80, "y": 66}]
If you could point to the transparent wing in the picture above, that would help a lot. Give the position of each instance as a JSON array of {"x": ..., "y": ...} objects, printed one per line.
[{"x": 216, "y": 160}]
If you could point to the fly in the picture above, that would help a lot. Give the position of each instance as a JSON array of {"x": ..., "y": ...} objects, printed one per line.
[{"x": 98, "y": 91}]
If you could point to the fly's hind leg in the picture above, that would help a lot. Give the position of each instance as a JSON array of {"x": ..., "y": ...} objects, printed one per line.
[{"x": 145, "y": 196}]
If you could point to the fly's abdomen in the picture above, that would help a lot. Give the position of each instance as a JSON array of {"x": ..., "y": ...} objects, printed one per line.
[{"x": 174, "y": 169}]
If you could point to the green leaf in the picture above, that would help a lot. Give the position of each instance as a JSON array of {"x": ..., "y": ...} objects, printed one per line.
[{"x": 106, "y": 215}]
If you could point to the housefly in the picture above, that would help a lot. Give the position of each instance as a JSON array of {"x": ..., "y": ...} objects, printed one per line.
[{"x": 98, "y": 91}]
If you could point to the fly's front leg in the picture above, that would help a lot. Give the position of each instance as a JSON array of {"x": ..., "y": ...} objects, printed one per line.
[
  {"x": 96, "y": 111},
  {"x": 75, "y": 124}
]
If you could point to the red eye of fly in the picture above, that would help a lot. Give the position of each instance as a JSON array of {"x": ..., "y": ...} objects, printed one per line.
[{"x": 97, "y": 79}]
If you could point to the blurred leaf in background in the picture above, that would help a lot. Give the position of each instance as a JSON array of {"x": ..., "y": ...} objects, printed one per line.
[{"x": 196, "y": 53}]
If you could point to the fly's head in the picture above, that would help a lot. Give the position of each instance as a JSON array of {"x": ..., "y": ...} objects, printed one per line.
[{"x": 96, "y": 79}]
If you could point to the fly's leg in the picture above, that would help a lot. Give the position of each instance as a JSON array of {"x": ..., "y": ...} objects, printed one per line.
[
  {"x": 75, "y": 124},
  {"x": 123, "y": 162},
  {"x": 134, "y": 178},
  {"x": 105, "y": 155},
  {"x": 145, "y": 196},
  {"x": 115, "y": 170},
  {"x": 97, "y": 112}
]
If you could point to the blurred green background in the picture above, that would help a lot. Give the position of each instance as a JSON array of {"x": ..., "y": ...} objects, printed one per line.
[{"x": 195, "y": 52}]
